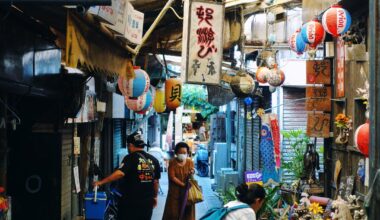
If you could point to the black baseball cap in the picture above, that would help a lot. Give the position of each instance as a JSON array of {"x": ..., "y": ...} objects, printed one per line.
[{"x": 136, "y": 139}]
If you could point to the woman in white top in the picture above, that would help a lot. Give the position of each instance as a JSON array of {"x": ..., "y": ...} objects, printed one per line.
[{"x": 252, "y": 195}]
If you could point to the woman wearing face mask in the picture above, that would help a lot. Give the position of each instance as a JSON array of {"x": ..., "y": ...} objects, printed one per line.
[{"x": 179, "y": 170}]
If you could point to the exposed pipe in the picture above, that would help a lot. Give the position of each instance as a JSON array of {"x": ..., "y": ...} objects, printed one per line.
[{"x": 153, "y": 26}]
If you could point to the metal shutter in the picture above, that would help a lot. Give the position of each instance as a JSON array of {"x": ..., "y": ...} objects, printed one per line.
[
  {"x": 294, "y": 117},
  {"x": 117, "y": 141},
  {"x": 66, "y": 175}
]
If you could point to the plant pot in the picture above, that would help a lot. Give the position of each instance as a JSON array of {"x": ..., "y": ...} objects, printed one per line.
[{"x": 342, "y": 136}]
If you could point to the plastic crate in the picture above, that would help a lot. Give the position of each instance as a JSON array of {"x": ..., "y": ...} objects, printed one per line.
[{"x": 95, "y": 208}]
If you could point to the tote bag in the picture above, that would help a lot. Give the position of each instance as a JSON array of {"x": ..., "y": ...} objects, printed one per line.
[{"x": 195, "y": 192}]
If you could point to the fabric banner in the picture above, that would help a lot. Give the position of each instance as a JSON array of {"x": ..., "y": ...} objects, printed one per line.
[{"x": 87, "y": 48}]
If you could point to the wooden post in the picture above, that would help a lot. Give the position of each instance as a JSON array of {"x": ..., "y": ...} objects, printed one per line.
[{"x": 374, "y": 96}]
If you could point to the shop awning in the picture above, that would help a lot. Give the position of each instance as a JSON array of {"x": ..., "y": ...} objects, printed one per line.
[{"x": 89, "y": 49}]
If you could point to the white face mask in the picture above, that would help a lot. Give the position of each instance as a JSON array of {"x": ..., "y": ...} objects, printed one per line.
[{"x": 181, "y": 157}]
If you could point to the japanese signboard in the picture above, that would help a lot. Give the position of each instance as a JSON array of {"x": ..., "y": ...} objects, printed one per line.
[
  {"x": 204, "y": 42},
  {"x": 253, "y": 177},
  {"x": 318, "y": 99},
  {"x": 318, "y": 72},
  {"x": 318, "y": 125},
  {"x": 339, "y": 68}
]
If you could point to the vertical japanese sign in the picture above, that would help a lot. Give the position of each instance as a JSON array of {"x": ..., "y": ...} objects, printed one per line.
[
  {"x": 135, "y": 23},
  {"x": 318, "y": 72},
  {"x": 318, "y": 125},
  {"x": 339, "y": 92},
  {"x": 204, "y": 42}
]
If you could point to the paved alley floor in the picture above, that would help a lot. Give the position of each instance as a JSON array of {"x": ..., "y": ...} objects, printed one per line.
[{"x": 209, "y": 196}]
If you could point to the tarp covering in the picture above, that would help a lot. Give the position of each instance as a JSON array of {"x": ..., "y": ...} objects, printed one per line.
[{"x": 88, "y": 48}]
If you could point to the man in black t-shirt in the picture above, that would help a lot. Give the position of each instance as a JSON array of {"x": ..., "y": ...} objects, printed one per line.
[{"x": 139, "y": 175}]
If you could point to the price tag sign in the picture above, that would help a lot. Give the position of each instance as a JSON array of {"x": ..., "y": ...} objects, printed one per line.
[{"x": 253, "y": 177}]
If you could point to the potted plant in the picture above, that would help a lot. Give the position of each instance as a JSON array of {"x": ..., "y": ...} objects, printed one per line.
[{"x": 343, "y": 125}]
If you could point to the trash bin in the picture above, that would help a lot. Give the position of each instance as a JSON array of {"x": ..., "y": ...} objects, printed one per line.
[{"x": 95, "y": 205}]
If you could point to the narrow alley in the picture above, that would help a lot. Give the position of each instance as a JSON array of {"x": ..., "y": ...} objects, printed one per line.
[{"x": 210, "y": 198}]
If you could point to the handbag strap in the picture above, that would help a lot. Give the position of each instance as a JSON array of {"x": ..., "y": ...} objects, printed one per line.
[{"x": 147, "y": 162}]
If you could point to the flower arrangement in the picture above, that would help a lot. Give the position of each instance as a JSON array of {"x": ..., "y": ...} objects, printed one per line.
[
  {"x": 3, "y": 204},
  {"x": 343, "y": 121}
]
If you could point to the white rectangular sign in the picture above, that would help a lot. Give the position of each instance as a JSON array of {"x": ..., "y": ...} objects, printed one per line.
[
  {"x": 205, "y": 42},
  {"x": 107, "y": 14}
]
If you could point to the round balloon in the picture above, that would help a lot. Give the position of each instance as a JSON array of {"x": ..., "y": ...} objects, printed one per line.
[
  {"x": 336, "y": 20},
  {"x": 136, "y": 86},
  {"x": 296, "y": 43},
  {"x": 313, "y": 33},
  {"x": 262, "y": 74},
  {"x": 276, "y": 77},
  {"x": 362, "y": 138}
]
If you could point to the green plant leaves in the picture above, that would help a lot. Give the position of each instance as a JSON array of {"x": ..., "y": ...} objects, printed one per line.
[{"x": 195, "y": 96}]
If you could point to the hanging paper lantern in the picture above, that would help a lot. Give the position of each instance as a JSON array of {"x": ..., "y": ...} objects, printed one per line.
[
  {"x": 296, "y": 42},
  {"x": 159, "y": 104},
  {"x": 136, "y": 86},
  {"x": 262, "y": 74},
  {"x": 362, "y": 138},
  {"x": 149, "y": 97},
  {"x": 276, "y": 77},
  {"x": 173, "y": 93},
  {"x": 313, "y": 33},
  {"x": 242, "y": 84},
  {"x": 135, "y": 104},
  {"x": 336, "y": 20}
]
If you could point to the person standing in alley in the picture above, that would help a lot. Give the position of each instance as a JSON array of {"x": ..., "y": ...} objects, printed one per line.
[
  {"x": 139, "y": 175},
  {"x": 180, "y": 168}
]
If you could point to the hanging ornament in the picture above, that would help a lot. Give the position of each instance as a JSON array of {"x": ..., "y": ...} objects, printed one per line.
[
  {"x": 313, "y": 33},
  {"x": 136, "y": 86},
  {"x": 149, "y": 97},
  {"x": 362, "y": 138},
  {"x": 336, "y": 20},
  {"x": 173, "y": 93},
  {"x": 159, "y": 104},
  {"x": 262, "y": 74},
  {"x": 272, "y": 89},
  {"x": 248, "y": 101},
  {"x": 276, "y": 77},
  {"x": 296, "y": 42},
  {"x": 242, "y": 84}
]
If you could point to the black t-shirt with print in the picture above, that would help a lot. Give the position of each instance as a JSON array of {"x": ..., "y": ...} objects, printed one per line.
[{"x": 137, "y": 184}]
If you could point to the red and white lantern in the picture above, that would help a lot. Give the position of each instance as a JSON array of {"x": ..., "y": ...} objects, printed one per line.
[
  {"x": 313, "y": 33},
  {"x": 336, "y": 20},
  {"x": 362, "y": 138},
  {"x": 296, "y": 43},
  {"x": 135, "y": 104}
]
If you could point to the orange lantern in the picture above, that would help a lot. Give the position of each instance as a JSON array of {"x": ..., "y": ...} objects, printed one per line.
[
  {"x": 173, "y": 93},
  {"x": 159, "y": 104}
]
